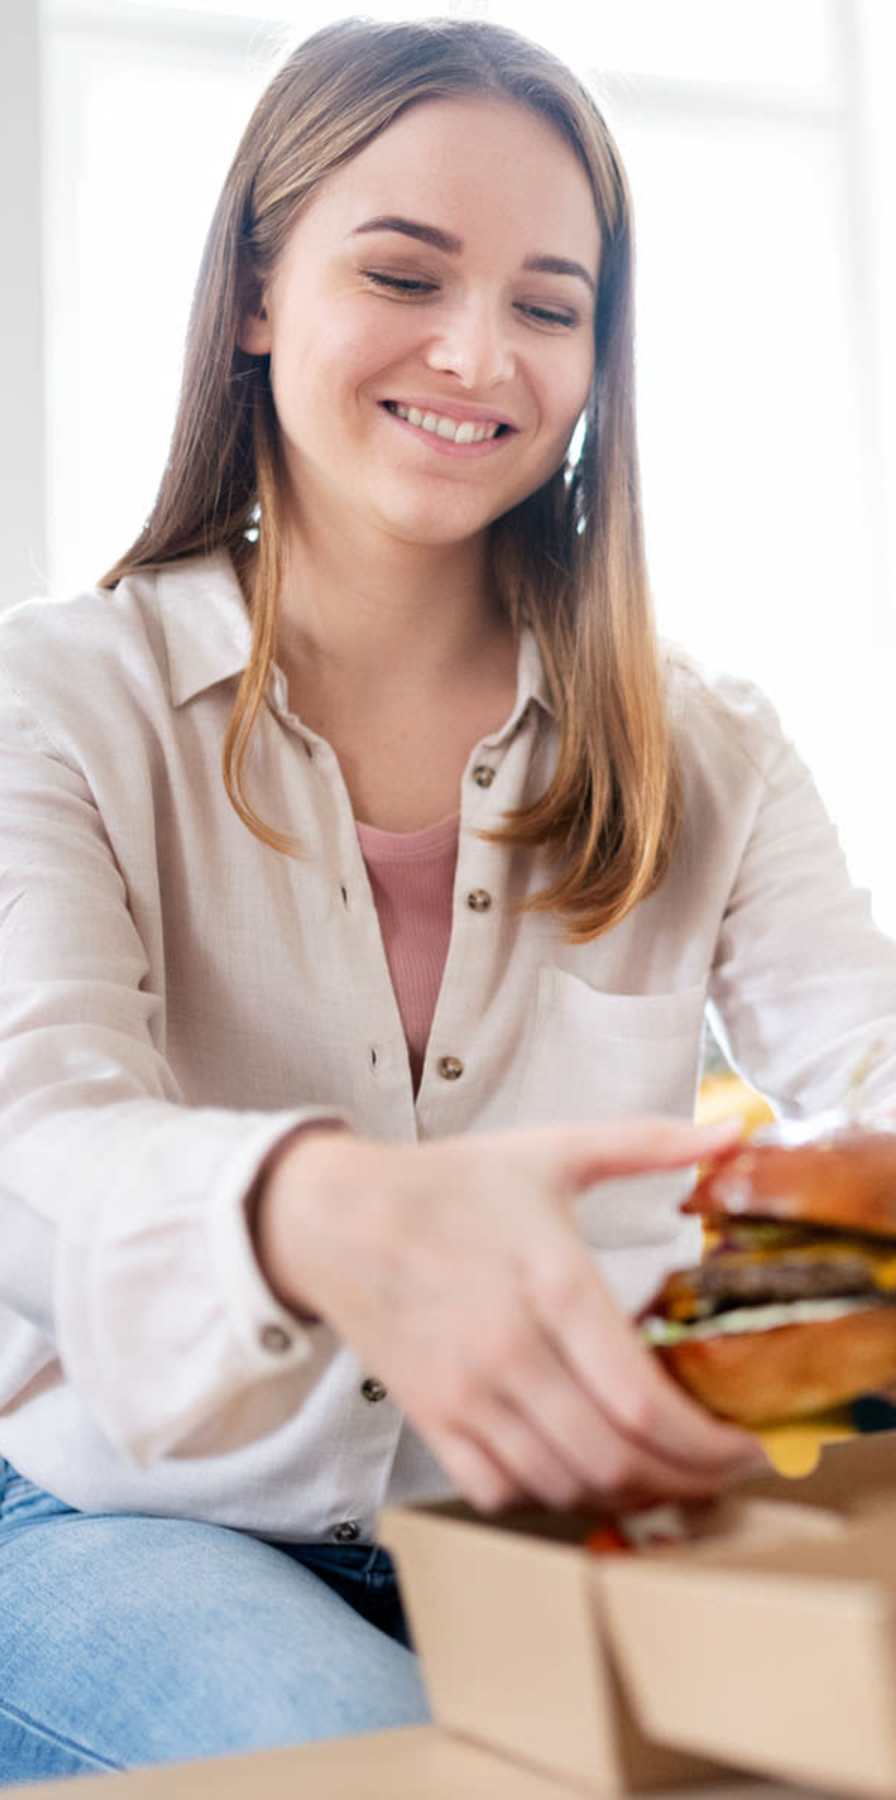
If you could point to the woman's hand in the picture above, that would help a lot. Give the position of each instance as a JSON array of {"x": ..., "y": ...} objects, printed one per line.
[{"x": 456, "y": 1273}]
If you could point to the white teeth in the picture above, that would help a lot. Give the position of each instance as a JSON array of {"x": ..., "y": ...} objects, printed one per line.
[{"x": 468, "y": 433}]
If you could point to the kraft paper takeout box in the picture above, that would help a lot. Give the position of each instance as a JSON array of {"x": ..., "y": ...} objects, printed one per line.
[
  {"x": 769, "y": 1644},
  {"x": 408, "y": 1763}
]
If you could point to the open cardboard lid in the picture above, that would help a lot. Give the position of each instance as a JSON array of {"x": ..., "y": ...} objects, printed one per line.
[{"x": 780, "y": 1659}]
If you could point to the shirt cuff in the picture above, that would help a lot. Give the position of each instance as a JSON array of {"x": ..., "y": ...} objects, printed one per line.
[{"x": 163, "y": 1317}]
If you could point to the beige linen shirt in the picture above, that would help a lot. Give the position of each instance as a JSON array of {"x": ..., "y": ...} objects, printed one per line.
[{"x": 175, "y": 997}]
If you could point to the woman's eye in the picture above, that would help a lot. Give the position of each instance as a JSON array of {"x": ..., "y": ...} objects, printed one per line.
[
  {"x": 543, "y": 313},
  {"x": 392, "y": 281},
  {"x": 552, "y": 318}
]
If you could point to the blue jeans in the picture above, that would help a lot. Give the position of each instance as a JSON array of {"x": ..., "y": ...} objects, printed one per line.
[{"x": 127, "y": 1639}]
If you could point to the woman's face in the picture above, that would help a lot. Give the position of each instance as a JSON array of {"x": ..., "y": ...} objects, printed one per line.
[{"x": 475, "y": 333}]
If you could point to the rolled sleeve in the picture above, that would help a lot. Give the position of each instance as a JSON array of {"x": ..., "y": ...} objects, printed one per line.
[
  {"x": 146, "y": 1281},
  {"x": 163, "y": 1317},
  {"x": 804, "y": 983}
]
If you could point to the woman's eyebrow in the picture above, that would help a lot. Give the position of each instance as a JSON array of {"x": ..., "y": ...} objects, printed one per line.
[{"x": 453, "y": 246}]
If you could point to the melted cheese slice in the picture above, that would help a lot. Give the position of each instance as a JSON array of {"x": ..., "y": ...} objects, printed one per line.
[{"x": 794, "y": 1449}]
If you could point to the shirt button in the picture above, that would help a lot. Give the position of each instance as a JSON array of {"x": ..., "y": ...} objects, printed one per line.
[
  {"x": 273, "y": 1337},
  {"x": 347, "y": 1532},
  {"x": 483, "y": 775},
  {"x": 480, "y": 900},
  {"x": 450, "y": 1067},
  {"x": 373, "y": 1389}
]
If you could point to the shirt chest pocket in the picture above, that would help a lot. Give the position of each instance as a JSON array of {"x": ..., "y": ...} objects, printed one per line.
[{"x": 593, "y": 1055}]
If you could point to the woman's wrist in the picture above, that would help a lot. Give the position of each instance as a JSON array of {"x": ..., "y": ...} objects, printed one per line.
[{"x": 295, "y": 1164}]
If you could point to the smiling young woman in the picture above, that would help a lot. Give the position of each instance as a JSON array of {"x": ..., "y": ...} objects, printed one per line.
[
  {"x": 366, "y": 868},
  {"x": 559, "y": 546}
]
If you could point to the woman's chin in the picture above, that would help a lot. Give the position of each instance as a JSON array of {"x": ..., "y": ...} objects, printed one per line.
[{"x": 433, "y": 527}]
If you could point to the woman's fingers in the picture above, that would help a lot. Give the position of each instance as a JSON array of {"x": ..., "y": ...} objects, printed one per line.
[
  {"x": 595, "y": 1455},
  {"x": 539, "y": 1468},
  {"x": 473, "y": 1469},
  {"x": 553, "y": 1440},
  {"x": 538, "y": 1441},
  {"x": 607, "y": 1357},
  {"x": 585, "y": 1154},
  {"x": 576, "y": 1405}
]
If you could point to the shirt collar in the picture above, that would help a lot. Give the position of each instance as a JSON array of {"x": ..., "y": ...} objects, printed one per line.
[
  {"x": 208, "y": 637},
  {"x": 204, "y": 616},
  {"x": 531, "y": 685}
]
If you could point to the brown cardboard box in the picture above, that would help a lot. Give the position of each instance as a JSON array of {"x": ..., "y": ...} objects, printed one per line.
[
  {"x": 769, "y": 1644},
  {"x": 414, "y": 1764}
]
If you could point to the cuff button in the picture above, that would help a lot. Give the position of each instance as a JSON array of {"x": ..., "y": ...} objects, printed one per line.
[
  {"x": 372, "y": 1389},
  {"x": 273, "y": 1337}
]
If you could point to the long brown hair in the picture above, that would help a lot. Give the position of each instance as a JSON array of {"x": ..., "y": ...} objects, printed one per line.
[{"x": 568, "y": 560}]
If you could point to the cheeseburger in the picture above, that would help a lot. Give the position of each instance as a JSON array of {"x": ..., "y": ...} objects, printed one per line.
[{"x": 793, "y": 1307}]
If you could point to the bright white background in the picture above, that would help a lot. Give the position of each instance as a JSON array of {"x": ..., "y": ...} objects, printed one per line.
[{"x": 757, "y": 135}]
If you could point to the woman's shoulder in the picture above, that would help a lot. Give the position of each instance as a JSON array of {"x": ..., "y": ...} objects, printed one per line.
[
  {"x": 47, "y": 634},
  {"x": 714, "y": 711},
  {"x": 102, "y": 647}
]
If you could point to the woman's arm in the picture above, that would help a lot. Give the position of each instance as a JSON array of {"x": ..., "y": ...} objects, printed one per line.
[
  {"x": 803, "y": 983},
  {"x": 148, "y": 1286}
]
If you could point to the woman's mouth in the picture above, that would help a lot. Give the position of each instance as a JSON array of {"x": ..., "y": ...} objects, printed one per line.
[{"x": 446, "y": 446}]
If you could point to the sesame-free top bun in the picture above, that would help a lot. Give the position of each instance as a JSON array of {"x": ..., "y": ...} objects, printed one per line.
[
  {"x": 760, "y": 1377},
  {"x": 847, "y": 1179}
]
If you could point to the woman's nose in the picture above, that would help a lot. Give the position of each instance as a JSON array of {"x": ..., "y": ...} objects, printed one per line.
[{"x": 474, "y": 345}]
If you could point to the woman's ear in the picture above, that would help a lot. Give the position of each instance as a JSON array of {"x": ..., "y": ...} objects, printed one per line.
[{"x": 255, "y": 332}]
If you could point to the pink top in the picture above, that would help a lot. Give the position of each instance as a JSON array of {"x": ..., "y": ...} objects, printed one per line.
[{"x": 412, "y": 879}]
